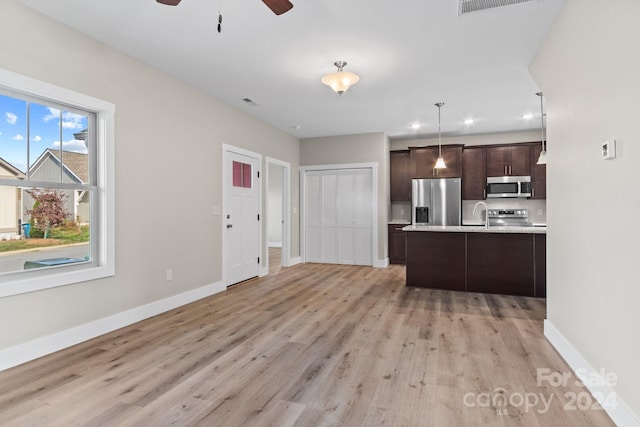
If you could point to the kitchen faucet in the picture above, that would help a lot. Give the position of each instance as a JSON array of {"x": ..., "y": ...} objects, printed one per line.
[{"x": 486, "y": 213}]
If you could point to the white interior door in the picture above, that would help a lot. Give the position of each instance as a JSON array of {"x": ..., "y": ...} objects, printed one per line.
[
  {"x": 339, "y": 216},
  {"x": 241, "y": 219}
]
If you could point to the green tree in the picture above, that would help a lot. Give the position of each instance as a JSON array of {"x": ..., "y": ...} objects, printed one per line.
[{"x": 48, "y": 209}]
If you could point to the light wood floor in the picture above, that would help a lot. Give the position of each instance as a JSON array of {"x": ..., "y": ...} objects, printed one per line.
[{"x": 310, "y": 345}]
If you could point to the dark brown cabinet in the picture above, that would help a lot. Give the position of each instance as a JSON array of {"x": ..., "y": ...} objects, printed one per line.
[
  {"x": 500, "y": 263},
  {"x": 397, "y": 244},
  {"x": 508, "y": 160},
  {"x": 538, "y": 174},
  {"x": 474, "y": 173},
  {"x": 497, "y": 263},
  {"x": 436, "y": 260},
  {"x": 400, "y": 176},
  {"x": 540, "y": 263},
  {"x": 423, "y": 160}
]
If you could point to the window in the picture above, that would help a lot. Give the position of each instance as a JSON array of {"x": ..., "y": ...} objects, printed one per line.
[
  {"x": 56, "y": 186},
  {"x": 242, "y": 175}
]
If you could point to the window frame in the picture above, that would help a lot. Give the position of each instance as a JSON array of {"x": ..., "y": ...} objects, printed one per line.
[{"x": 103, "y": 199}]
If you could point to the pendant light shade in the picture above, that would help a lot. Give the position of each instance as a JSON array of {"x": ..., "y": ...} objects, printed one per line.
[
  {"x": 340, "y": 81},
  {"x": 542, "y": 159},
  {"x": 440, "y": 161}
]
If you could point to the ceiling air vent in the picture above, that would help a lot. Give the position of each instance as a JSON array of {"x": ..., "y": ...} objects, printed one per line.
[
  {"x": 250, "y": 102},
  {"x": 470, "y": 6}
]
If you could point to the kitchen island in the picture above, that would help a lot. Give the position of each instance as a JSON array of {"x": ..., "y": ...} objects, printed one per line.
[{"x": 500, "y": 260}]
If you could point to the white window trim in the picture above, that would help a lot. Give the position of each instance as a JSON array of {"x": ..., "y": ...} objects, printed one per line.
[{"x": 105, "y": 227}]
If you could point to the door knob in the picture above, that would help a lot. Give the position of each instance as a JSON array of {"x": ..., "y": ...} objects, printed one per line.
[{"x": 229, "y": 225}]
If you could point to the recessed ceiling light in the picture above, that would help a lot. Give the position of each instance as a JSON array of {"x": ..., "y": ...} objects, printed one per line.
[
  {"x": 527, "y": 116},
  {"x": 468, "y": 122},
  {"x": 415, "y": 125}
]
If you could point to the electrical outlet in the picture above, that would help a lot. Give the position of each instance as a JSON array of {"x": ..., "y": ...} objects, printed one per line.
[
  {"x": 540, "y": 212},
  {"x": 401, "y": 212},
  {"x": 169, "y": 274}
]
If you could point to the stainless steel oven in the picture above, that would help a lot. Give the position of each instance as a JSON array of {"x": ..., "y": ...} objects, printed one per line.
[{"x": 508, "y": 186}]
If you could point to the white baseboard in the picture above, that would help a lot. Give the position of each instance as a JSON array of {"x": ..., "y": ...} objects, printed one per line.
[
  {"x": 381, "y": 263},
  {"x": 619, "y": 412},
  {"x": 294, "y": 261},
  {"x": 275, "y": 244},
  {"x": 22, "y": 353}
]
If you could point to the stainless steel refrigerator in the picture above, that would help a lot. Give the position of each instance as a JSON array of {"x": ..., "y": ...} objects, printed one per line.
[{"x": 436, "y": 201}]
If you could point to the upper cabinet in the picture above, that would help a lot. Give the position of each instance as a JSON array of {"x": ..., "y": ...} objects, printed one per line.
[
  {"x": 423, "y": 160},
  {"x": 474, "y": 173},
  {"x": 400, "y": 176},
  {"x": 508, "y": 160},
  {"x": 538, "y": 174}
]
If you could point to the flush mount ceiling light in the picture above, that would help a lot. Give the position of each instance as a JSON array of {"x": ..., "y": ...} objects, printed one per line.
[
  {"x": 542, "y": 160},
  {"x": 527, "y": 116},
  {"x": 440, "y": 161},
  {"x": 340, "y": 81}
]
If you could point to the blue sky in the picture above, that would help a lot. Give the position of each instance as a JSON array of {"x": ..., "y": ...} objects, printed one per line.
[{"x": 44, "y": 131}]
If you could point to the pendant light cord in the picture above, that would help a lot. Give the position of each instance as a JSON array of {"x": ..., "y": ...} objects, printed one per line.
[
  {"x": 439, "y": 133},
  {"x": 544, "y": 145}
]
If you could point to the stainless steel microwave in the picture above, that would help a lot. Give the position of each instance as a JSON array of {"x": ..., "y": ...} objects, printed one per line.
[{"x": 508, "y": 186}]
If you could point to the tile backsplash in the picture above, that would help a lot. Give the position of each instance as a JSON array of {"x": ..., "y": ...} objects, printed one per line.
[
  {"x": 537, "y": 209},
  {"x": 401, "y": 211}
]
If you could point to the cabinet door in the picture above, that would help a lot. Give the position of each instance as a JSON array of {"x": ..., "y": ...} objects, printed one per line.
[
  {"x": 436, "y": 260},
  {"x": 497, "y": 161},
  {"x": 452, "y": 156},
  {"x": 541, "y": 265},
  {"x": 400, "y": 176},
  {"x": 422, "y": 160},
  {"x": 518, "y": 160},
  {"x": 500, "y": 263},
  {"x": 474, "y": 173},
  {"x": 538, "y": 175},
  {"x": 397, "y": 242}
]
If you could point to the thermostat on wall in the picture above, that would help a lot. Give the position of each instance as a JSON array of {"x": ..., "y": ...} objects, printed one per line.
[{"x": 609, "y": 149}]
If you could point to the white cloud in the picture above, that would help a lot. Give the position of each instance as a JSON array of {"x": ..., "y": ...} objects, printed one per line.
[
  {"x": 18, "y": 137},
  {"x": 54, "y": 113},
  {"x": 36, "y": 138},
  {"x": 73, "y": 121},
  {"x": 69, "y": 120},
  {"x": 71, "y": 145},
  {"x": 11, "y": 118}
]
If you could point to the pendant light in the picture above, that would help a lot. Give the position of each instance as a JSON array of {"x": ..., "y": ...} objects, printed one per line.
[
  {"x": 440, "y": 161},
  {"x": 542, "y": 160}
]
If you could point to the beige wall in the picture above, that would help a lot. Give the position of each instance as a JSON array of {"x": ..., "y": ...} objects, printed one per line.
[
  {"x": 161, "y": 124},
  {"x": 360, "y": 148},
  {"x": 589, "y": 70}
]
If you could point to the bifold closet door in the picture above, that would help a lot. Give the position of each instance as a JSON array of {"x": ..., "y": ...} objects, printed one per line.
[
  {"x": 338, "y": 216},
  {"x": 355, "y": 217}
]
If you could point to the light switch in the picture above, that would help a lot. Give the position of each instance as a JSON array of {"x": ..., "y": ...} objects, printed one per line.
[{"x": 215, "y": 210}]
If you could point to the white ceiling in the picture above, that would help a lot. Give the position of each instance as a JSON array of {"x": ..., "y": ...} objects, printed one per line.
[{"x": 409, "y": 54}]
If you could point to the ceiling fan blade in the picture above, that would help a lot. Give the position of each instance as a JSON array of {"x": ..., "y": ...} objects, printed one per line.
[
  {"x": 278, "y": 6},
  {"x": 169, "y": 2}
]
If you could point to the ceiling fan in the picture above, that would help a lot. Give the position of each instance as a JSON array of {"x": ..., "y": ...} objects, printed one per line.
[{"x": 277, "y": 6}]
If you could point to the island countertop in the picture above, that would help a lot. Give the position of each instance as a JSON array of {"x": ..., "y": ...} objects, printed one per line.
[{"x": 475, "y": 229}]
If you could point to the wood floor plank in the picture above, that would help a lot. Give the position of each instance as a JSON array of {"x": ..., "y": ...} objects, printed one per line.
[{"x": 310, "y": 345}]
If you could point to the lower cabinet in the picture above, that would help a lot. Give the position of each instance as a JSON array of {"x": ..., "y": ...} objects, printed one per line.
[
  {"x": 540, "y": 252},
  {"x": 500, "y": 263},
  {"x": 496, "y": 263},
  {"x": 436, "y": 260},
  {"x": 397, "y": 244}
]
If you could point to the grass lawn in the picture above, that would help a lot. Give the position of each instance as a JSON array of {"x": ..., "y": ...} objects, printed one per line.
[{"x": 59, "y": 236}]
